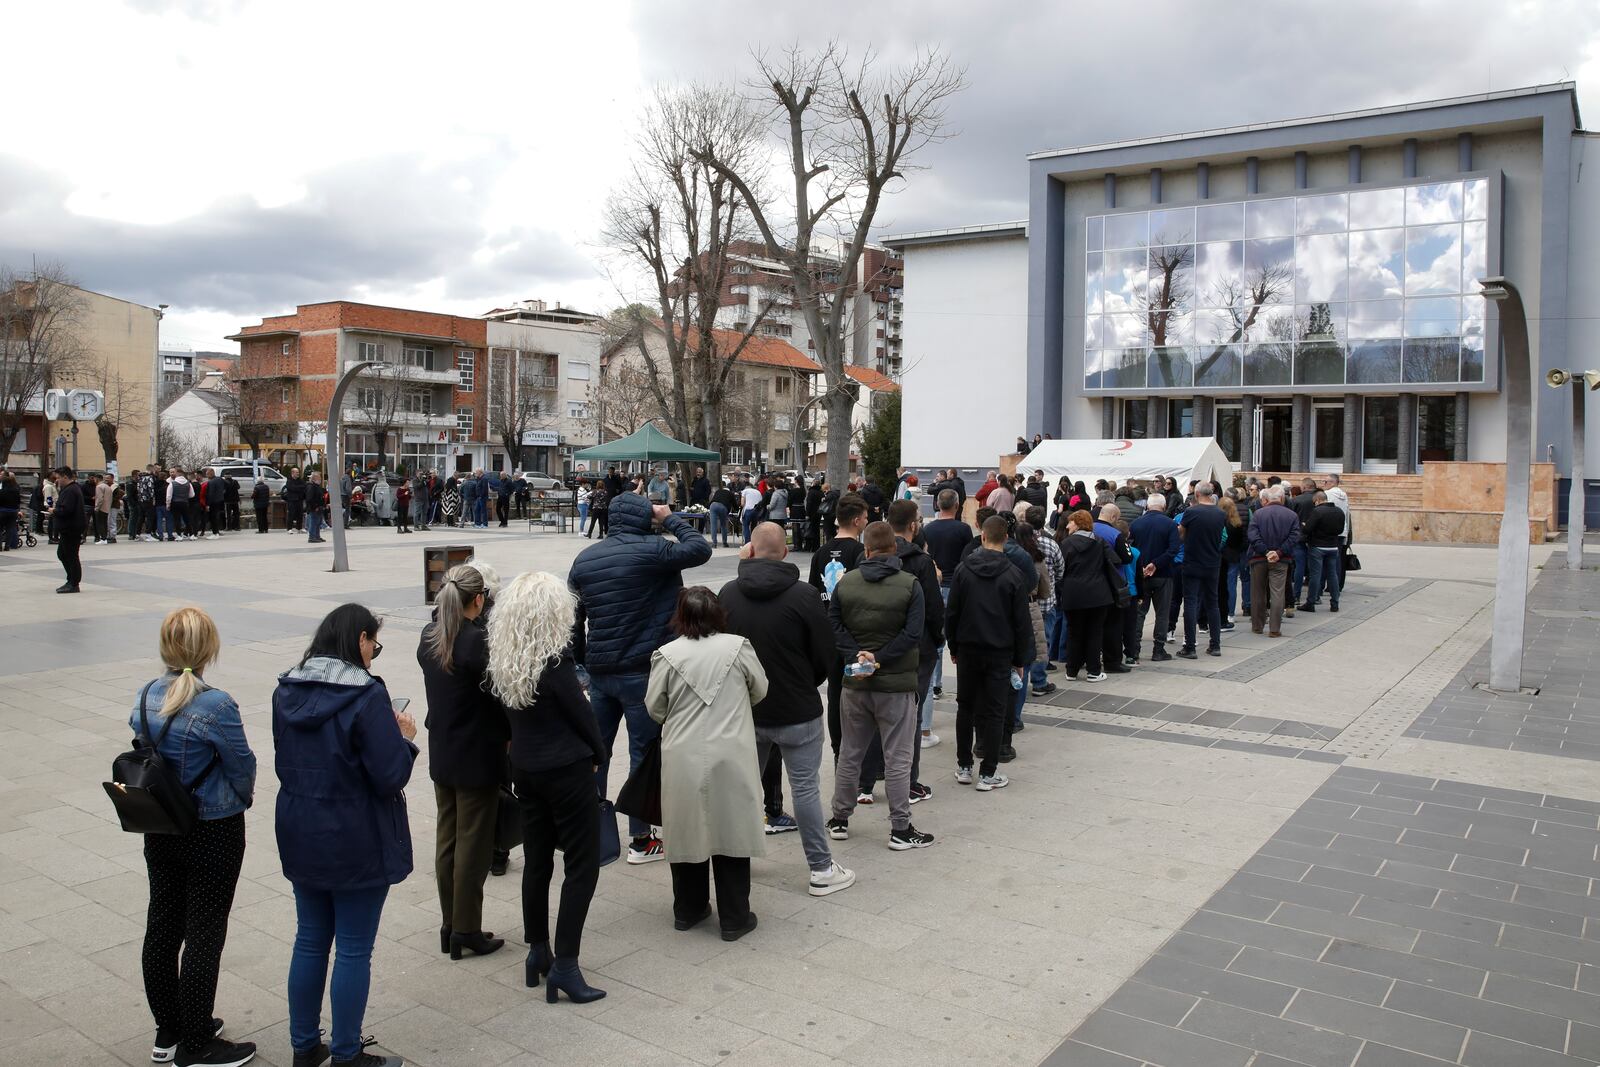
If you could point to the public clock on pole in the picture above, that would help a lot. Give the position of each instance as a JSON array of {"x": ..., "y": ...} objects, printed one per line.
[{"x": 85, "y": 405}]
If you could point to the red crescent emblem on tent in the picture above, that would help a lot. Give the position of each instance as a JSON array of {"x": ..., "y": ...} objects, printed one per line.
[{"x": 1123, "y": 447}]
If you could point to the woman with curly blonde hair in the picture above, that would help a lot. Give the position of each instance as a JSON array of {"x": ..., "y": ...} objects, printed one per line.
[{"x": 555, "y": 749}]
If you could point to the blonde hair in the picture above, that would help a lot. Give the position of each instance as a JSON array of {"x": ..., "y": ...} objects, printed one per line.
[
  {"x": 461, "y": 586},
  {"x": 189, "y": 644},
  {"x": 530, "y": 626},
  {"x": 491, "y": 577}
]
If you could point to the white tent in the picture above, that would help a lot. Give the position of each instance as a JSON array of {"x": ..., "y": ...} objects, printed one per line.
[{"x": 1182, "y": 458}]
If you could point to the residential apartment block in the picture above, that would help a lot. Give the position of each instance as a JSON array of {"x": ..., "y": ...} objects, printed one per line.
[
  {"x": 544, "y": 362},
  {"x": 876, "y": 311}
]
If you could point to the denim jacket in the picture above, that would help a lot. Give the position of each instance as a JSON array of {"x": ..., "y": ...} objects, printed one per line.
[{"x": 209, "y": 726}]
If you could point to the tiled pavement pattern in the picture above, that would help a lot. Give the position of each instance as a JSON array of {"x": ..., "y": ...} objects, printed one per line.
[
  {"x": 1393, "y": 921},
  {"x": 1560, "y": 661},
  {"x": 1109, "y": 703}
]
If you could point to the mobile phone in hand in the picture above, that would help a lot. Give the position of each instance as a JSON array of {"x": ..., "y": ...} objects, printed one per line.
[{"x": 401, "y": 704}]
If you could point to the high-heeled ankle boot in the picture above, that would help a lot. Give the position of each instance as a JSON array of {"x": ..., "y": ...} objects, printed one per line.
[
  {"x": 538, "y": 964},
  {"x": 444, "y": 939},
  {"x": 565, "y": 977},
  {"x": 479, "y": 944}
]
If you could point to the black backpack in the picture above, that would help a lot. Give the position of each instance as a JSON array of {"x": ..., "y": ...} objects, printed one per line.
[{"x": 149, "y": 796}]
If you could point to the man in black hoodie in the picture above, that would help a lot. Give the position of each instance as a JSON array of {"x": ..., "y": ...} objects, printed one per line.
[
  {"x": 990, "y": 634},
  {"x": 905, "y": 519},
  {"x": 783, "y": 619},
  {"x": 294, "y": 501},
  {"x": 69, "y": 525}
]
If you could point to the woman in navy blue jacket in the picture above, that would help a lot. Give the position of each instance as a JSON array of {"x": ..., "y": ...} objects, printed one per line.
[{"x": 343, "y": 759}]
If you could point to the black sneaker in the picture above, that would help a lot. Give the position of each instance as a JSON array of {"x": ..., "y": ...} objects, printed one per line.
[
  {"x": 312, "y": 1057},
  {"x": 370, "y": 1059},
  {"x": 1044, "y": 690},
  {"x": 1007, "y": 753},
  {"x": 938, "y": 691},
  {"x": 216, "y": 1053},
  {"x": 1213, "y": 651},
  {"x": 1130, "y": 662},
  {"x": 839, "y": 829},
  {"x": 910, "y": 837},
  {"x": 1187, "y": 653},
  {"x": 920, "y": 792},
  {"x": 166, "y": 1046},
  {"x": 1308, "y": 607}
]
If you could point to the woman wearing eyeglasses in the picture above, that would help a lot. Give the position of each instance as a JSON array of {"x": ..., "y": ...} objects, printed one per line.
[{"x": 343, "y": 757}]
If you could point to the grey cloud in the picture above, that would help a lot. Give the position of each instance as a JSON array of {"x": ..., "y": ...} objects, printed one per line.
[{"x": 1047, "y": 76}]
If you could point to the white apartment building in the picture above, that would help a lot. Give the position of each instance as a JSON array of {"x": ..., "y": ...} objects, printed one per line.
[{"x": 544, "y": 360}]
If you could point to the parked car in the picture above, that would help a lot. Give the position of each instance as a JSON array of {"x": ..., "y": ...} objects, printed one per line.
[
  {"x": 245, "y": 474},
  {"x": 537, "y": 481}
]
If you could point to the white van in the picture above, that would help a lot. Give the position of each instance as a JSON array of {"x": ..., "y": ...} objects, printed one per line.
[{"x": 245, "y": 474}]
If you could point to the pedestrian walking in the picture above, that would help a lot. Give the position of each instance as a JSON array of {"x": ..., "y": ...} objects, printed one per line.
[{"x": 66, "y": 514}]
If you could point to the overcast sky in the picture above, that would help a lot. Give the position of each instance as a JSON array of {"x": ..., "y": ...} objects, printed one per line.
[{"x": 233, "y": 158}]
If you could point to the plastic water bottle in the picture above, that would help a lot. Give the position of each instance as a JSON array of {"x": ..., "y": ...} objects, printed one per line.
[
  {"x": 859, "y": 670},
  {"x": 1016, "y": 680}
]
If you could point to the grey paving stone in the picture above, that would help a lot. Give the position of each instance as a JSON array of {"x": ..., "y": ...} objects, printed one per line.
[
  {"x": 1258, "y": 723},
  {"x": 1257, "y": 747},
  {"x": 1142, "y": 708},
  {"x": 1105, "y": 702},
  {"x": 1542, "y": 997},
  {"x": 1244, "y": 905},
  {"x": 1332, "y": 792},
  {"x": 1273, "y": 867},
  {"x": 1514, "y": 874},
  {"x": 1381, "y": 1024},
  {"x": 1442, "y": 974},
  {"x": 1584, "y": 1041},
  {"x": 1179, "y": 713},
  {"x": 1467, "y": 847},
  {"x": 1144, "y": 1001},
  {"x": 1400, "y": 851},
  {"x": 1158, "y": 1044},
  {"x": 1369, "y": 885},
  {"x": 1318, "y": 855},
  {"x": 1077, "y": 1054},
  {"x": 1468, "y": 927},
  {"x": 1296, "y": 1041},
  {"x": 1518, "y": 913},
  {"x": 1569, "y": 903},
  {"x": 1359, "y": 928},
  {"x": 1454, "y": 878},
  {"x": 1487, "y": 1050},
  {"x": 1223, "y": 719},
  {"x": 1307, "y": 974},
  {"x": 1554, "y": 945},
  {"x": 1261, "y": 935},
  {"x": 1426, "y": 794},
  {"x": 1474, "y": 1013},
  {"x": 1181, "y": 739},
  {"x": 1210, "y": 984},
  {"x": 1209, "y": 951},
  {"x": 1310, "y": 894},
  {"x": 1098, "y": 727},
  {"x": 1503, "y": 958},
  {"x": 1312, "y": 755},
  {"x": 1304, "y": 835},
  {"x": 1376, "y": 1055}
]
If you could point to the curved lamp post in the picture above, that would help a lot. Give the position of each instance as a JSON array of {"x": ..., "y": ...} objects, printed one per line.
[
  {"x": 335, "y": 463},
  {"x": 1579, "y": 380},
  {"x": 1511, "y": 582}
]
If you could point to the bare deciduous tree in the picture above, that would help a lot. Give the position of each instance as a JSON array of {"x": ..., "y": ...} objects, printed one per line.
[
  {"x": 125, "y": 407},
  {"x": 848, "y": 129},
  {"x": 260, "y": 409},
  {"x": 41, "y": 344},
  {"x": 381, "y": 396},
  {"x": 621, "y": 402},
  {"x": 519, "y": 398}
]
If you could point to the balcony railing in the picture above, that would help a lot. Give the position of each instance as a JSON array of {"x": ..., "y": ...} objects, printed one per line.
[{"x": 540, "y": 381}]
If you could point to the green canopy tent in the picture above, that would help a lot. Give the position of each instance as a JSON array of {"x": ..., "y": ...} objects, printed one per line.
[{"x": 649, "y": 444}]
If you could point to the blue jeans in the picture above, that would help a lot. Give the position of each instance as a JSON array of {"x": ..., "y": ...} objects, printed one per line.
[
  {"x": 313, "y": 524},
  {"x": 1324, "y": 567},
  {"x": 1238, "y": 571},
  {"x": 1297, "y": 581},
  {"x": 480, "y": 510},
  {"x": 801, "y": 747},
  {"x": 745, "y": 523},
  {"x": 1056, "y": 631},
  {"x": 163, "y": 521},
  {"x": 348, "y": 919},
  {"x": 719, "y": 524},
  {"x": 937, "y": 680},
  {"x": 1200, "y": 595},
  {"x": 583, "y": 516},
  {"x": 616, "y": 697}
]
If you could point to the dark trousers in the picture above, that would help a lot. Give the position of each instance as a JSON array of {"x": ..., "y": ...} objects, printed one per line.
[
  {"x": 232, "y": 508},
  {"x": 560, "y": 809},
  {"x": 192, "y": 879},
  {"x": 295, "y": 515},
  {"x": 101, "y": 525},
  {"x": 67, "y": 552},
  {"x": 772, "y": 783},
  {"x": 1111, "y": 628},
  {"x": 1156, "y": 593},
  {"x": 1176, "y": 601},
  {"x": 1085, "y": 630},
  {"x": 1132, "y": 616},
  {"x": 691, "y": 890},
  {"x": 261, "y": 519},
  {"x": 218, "y": 517},
  {"x": 463, "y": 846},
  {"x": 835, "y": 695},
  {"x": 983, "y": 704},
  {"x": 1200, "y": 595}
]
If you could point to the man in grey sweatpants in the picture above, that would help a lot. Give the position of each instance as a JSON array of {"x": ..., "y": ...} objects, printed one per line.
[{"x": 877, "y": 616}]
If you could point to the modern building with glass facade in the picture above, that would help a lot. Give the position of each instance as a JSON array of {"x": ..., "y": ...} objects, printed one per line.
[{"x": 1306, "y": 291}]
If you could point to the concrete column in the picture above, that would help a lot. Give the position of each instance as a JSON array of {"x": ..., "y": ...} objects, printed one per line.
[
  {"x": 1355, "y": 164},
  {"x": 1352, "y": 433},
  {"x": 1464, "y": 151},
  {"x": 1111, "y": 190},
  {"x": 1461, "y": 427},
  {"x": 1205, "y": 421},
  {"x": 1409, "y": 155},
  {"x": 1248, "y": 459},
  {"x": 1300, "y": 167},
  {"x": 1202, "y": 180},
  {"x": 1252, "y": 175},
  {"x": 1407, "y": 463},
  {"x": 1155, "y": 417},
  {"x": 1299, "y": 433},
  {"x": 1108, "y": 413},
  {"x": 1155, "y": 185}
]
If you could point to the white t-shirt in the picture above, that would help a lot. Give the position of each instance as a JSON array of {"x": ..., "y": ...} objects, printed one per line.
[{"x": 750, "y": 497}]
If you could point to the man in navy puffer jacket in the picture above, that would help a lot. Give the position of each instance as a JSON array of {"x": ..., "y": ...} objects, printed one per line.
[{"x": 627, "y": 587}]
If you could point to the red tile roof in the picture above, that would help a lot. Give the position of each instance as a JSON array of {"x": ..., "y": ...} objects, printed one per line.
[
  {"x": 872, "y": 379},
  {"x": 763, "y": 350}
]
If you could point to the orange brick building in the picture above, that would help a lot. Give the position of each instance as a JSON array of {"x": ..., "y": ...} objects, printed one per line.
[{"x": 427, "y": 409}]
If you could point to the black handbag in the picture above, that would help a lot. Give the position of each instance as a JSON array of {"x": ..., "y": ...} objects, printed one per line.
[
  {"x": 1352, "y": 562},
  {"x": 610, "y": 840},
  {"x": 149, "y": 796},
  {"x": 507, "y": 821},
  {"x": 640, "y": 795}
]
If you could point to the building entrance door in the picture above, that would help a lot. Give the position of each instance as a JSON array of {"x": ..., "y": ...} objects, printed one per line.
[
  {"x": 1327, "y": 438},
  {"x": 1380, "y": 434},
  {"x": 1275, "y": 451}
]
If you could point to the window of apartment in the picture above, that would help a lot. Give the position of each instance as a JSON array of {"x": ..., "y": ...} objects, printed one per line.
[
  {"x": 463, "y": 424},
  {"x": 285, "y": 397},
  {"x": 466, "y": 365},
  {"x": 286, "y": 348},
  {"x": 369, "y": 350},
  {"x": 368, "y": 396},
  {"x": 416, "y": 402},
  {"x": 578, "y": 372},
  {"x": 777, "y": 329},
  {"x": 577, "y": 409},
  {"x": 418, "y": 357},
  {"x": 740, "y": 268},
  {"x": 782, "y": 457},
  {"x": 781, "y": 423},
  {"x": 783, "y": 386}
]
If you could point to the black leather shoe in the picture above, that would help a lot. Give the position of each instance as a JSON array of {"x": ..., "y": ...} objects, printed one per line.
[
  {"x": 444, "y": 939},
  {"x": 1187, "y": 653},
  {"x": 538, "y": 963},
  {"x": 479, "y": 944},
  {"x": 499, "y": 863},
  {"x": 739, "y": 931},
  {"x": 690, "y": 924},
  {"x": 565, "y": 977}
]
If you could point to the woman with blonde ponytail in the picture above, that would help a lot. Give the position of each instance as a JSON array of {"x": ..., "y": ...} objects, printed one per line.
[
  {"x": 467, "y": 736},
  {"x": 192, "y": 877}
]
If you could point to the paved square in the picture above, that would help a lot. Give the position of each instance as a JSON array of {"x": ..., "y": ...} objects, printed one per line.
[{"x": 1283, "y": 856}]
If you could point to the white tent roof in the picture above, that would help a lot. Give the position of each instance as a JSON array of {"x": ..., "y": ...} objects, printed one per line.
[{"x": 1182, "y": 458}]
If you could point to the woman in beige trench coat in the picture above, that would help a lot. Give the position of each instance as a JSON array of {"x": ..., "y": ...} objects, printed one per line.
[{"x": 702, "y": 687}]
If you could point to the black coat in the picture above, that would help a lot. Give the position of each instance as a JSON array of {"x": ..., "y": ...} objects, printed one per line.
[
  {"x": 467, "y": 728},
  {"x": 988, "y": 608},
  {"x": 560, "y": 728},
  {"x": 294, "y": 490},
  {"x": 915, "y": 561},
  {"x": 69, "y": 510},
  {"x": 1093, "y": 578},
  {"x": 785, "y": 622}
]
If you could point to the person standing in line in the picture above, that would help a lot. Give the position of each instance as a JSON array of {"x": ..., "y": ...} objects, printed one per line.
[
  {"x": 945, "y": 537},
  {"x": 144, "y": 505},
  {"x": 722, "y": 505},
  {"x": 703, "y": 686},
  {"x": 502, "y": 499},
  {"x": 991, "y": 639},
  {"x": 784, "y": 621},
  {"x": 402, "y": 506},
  {"x": 580, "y": 498},
  {"x": 1091, "y": 584},
  {"x": 1233, "y": 550},
  {"x": 627, "y": 588},
  {"x": 1001, "y": 497},
  {"x": 230, "y": 500},
  {"x": 422, "y": 499},
  {"x": 343, "y": 757},
  {"x": 67, "y": 519},
  {"x": 1155, "y": 535},
  {"x": 316, "y": 499},
  {"x": 749, "y": 503},
  {"x": 467, "y": 737},
  {"x": 294, "y": 502},
  {"x": 102, "y": 510},
  {"x": 158, "y": 498},
  {"x": 874, "y": 498},
  {"x": 10, "y": 509},
  {"x": 1323, "y": 532},
  {"x": 193, "y": 876},
  {"x": 841, "y": 555},
  {"x": 1202, "y": 528},
  {"x": 556, "y": 748},
  {"x": 1273, "y": 533},
  {"x": 877, "y": 615},
  {"x": 905, "y": 519},
  {"x": 261, "y": 499},
  {"x": 599, "y": 511},
  {"x": 216, "y": 502}
]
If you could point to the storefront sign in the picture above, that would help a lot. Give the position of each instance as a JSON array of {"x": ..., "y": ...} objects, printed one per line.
[
  {"x": 541, "y": 437},
  {"x": 426, "y": 437}
]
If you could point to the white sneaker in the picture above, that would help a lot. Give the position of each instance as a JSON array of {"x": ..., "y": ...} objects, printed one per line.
[
  {"x": 1094, "y": 678},
  {"x": 831, "y": 880},
  {"x": 929, "y": 740},
  {"x": 987, "y": 782},
  {"x": 964, "y": 775},
  {"x": 99, "y": 540}
]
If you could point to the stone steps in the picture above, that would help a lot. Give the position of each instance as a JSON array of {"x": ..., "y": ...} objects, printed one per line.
[{"x": 1388, "y": 491}]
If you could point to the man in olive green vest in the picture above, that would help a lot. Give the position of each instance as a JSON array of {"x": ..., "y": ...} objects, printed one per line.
[{"x": 876, "y": 611}]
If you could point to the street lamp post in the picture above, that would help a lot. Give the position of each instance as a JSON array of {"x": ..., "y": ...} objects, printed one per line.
[
  {"x": 1511, "y": 581},
  {"x": 1578, "y": 380},
  {"x": 335, "y": 461}
]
